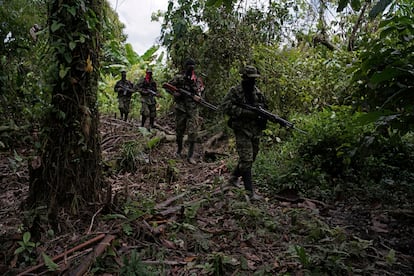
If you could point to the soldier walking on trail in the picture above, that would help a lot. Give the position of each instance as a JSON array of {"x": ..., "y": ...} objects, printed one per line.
[
  {"x": 124, "y": 88},
  {"x": 186, "y": 109},
  {"x": 148, "y": 90},
  {"x": 246, "y": 124}
]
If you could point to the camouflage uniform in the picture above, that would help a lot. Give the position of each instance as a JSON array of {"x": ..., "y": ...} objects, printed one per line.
[
  {"x": 124, "y": 89},
  {"x": 148, "y": 102},
  {"x": 186, "y": 109},
  {"x": 247, "y": 125}
]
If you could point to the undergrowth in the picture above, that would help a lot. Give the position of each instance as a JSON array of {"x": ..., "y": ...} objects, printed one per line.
[{"x": 344, "y": 155}]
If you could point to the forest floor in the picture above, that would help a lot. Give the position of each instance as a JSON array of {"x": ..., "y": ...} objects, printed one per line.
[{"x": 168, "y": 217}]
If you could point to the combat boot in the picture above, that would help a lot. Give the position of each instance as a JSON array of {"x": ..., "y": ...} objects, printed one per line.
[
  {"x": 190, "y": 158},
  {"x": 248, "y": 186},
  {"x": 143, "y": 119},
  {"x": 234, "y": 179},
  {"x": 179, "y": 146}
]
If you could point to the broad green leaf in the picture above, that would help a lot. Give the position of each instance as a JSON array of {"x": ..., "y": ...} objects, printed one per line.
[
  {"x": 51, "y": 266},
  {"x": 56, "y": 26},
  {"x": 26, "y": 237},
  {"x": 149, "y": 54},
  {"x": 63, "y": 71},
  {"x": 19, "y": 250},
  {"x": 72, "y": 10},
  {"x": 385, "y": 75},
  {"x": 72, "y": 45}
]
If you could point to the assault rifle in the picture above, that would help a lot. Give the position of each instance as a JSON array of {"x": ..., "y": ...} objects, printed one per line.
[
  {"x": 152, "y": 92},
  {"x": 270, "y": 116},
  {"x": 171, "y": 89},
  {"x": 127, "y": 89}
]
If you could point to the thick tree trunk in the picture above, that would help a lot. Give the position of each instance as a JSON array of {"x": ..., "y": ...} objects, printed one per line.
[{"x": 69, "y": 175}]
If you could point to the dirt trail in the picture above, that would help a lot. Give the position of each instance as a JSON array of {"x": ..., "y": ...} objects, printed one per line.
[{"x": 176, "y": 218}]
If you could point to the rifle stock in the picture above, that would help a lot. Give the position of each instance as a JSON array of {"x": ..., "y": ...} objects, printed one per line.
[
  {"x": 171, "y": 88},
  {"x": 271, "y": 117}
]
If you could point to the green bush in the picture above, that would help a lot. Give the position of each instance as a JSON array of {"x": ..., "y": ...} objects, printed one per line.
[{"x": 344, "y": 154}]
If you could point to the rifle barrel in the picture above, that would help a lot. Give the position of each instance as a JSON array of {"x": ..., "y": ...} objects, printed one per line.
[
  {"x": 170, "y": 87},
  {"x": 271, "y": 117}
]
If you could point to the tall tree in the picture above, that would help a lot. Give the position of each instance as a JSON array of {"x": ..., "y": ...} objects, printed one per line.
[{"x": 70, "y": 175}]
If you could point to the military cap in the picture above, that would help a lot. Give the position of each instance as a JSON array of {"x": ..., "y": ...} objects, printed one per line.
[{"x": 250, "y": 72}]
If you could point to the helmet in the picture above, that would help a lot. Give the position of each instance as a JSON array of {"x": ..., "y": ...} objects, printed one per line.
[
  {"x": 149, "y": 70},
  {"x": 249, "y": 71}
]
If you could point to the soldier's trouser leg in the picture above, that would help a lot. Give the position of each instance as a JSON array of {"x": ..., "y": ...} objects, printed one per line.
[
  {"x": 179, "y": 144},
  {"x": 127, "y": 102},
  {"x": 153, "y": 114},
  {"x": 190, "y": 153},
  {"x": 246, "y": 149},
  {"x": 143, "y": 119},
  {"x": 247, "y": 180},
  {"x": 235, "y": 176},
  {"x": 180, "y": 126}
]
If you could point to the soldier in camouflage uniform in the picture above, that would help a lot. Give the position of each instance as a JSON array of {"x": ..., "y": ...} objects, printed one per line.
[
  {"x": 148, "y": 102},
  {"x": 246, "y": 124},
  {"x": 186, "y": 109},
  {"x": 124, "y": 88}
]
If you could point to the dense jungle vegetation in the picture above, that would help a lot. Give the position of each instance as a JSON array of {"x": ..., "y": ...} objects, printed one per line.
[{"x": 338, "y": 199}]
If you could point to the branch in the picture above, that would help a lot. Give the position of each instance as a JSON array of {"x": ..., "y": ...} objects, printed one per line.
[
  {"x": 64, "y": 254},
  {"x": 99, "y": 249},
  {"x": 356, "y": 27}
]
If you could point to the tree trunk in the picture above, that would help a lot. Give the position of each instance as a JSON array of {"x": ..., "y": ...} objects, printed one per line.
[
  {"x": 357, "y": 25},
  {"x": 70, "y": 174}
]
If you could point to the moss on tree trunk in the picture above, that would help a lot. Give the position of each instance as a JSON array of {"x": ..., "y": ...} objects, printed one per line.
[{"x": 70, "y": 172}]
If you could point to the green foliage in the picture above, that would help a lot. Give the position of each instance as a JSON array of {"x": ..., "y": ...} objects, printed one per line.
[
  {"x": 107, "y": 98},
  {"x": 134, "y": 266},
  {"x": 22, "y": 87},
  {"x": 225, "y": 38},
  {"x": 16, "y": 162},
  {"x": 26, "y": 249},
  {"x": 344, "y": 154},
  {"x": 326, "y": 251},
  {"x": 51, "y": 266},
  {"x": 132, "y": 154},
  {"x": 385, "y": 70},
  {"x": 302, "y": 80}
]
